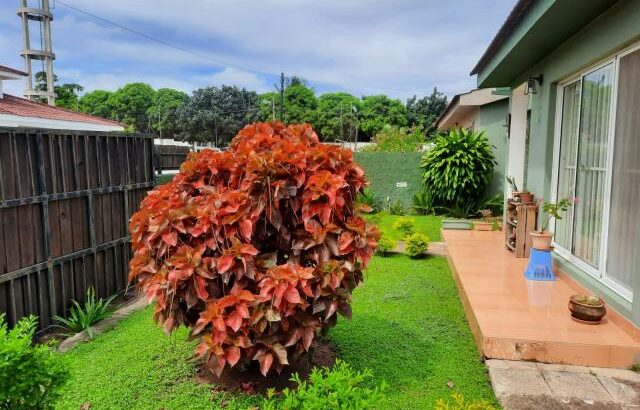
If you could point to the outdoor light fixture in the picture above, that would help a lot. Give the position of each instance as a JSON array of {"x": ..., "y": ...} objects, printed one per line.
[{"x": 531, "y": 84}]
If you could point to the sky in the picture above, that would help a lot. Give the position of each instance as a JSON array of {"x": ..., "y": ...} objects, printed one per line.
[{"x": 395, "y": 47}]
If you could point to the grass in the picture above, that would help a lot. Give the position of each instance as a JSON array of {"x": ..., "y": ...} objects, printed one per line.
[
  {"x": 426, "y": 224},
  {"x": 408, "y": 327}
]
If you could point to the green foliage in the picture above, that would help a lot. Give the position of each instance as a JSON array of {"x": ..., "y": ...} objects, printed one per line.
[
  {"x": 163, "y": 113},
  {"x": 422, "y": 203},
  {"x": 331, "y": 108},
  {"x": 31, "y": 375},
  {"x": 130, "y": 104},
  {"x": 385, "y": 169},
  {"x": 417, "y": 244},
  {"x": 495, "y": 204},
  {"x": 553, "y": 210},
  {"x": 458, "y": 402},
  {"x": 380, "y": 110},
  {"x": 268, "y": 106},
  {"x": 397, "y": 208},
  {"x": 82, "y": 317},
  {"x": 368, "y": 197},
  {"x": 66, "y": 94},
  {"x": 512, "y": 183},
  {"x": 458, "y": 169},
  {"x": 96, "y": 103},
  {"x": 300, "y": 104},
  {"x": 385, "y": 246},
  {"x": 429, "y": 225},
  {"x": 425, "y": 111},
  {"x": 338, "y": 388},
  {"x": 215, "y": 114},
  {"x": 396, "y": 139},
  {"x": 405, "y": 225}
]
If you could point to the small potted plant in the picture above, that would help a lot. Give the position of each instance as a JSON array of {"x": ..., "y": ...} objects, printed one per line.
[
  {"x": 542, "y": 239},
  {"x": 485, "y": 224},
  {"x": 526, "y": 197},
  {"x": 587, "y": 308},
  {"x": 515, "y": 192}
]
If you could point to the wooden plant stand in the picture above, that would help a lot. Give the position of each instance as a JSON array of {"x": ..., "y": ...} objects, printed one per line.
[{"x": 520, "y": 220}]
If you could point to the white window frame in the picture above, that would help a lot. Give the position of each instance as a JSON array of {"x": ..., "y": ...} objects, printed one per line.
[{"x": 599, "y": 273}]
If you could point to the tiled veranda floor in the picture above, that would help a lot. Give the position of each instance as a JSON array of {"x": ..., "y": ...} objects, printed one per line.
[{"x": 516, "y": 319}]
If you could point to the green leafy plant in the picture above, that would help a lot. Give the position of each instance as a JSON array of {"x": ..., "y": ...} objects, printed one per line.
[
  {"x": 397, "y": 139},
  {"x": 405, "y": 225},
  {"x": 553, "y": 210},
  {"x": 397, "y": 208},
  {"x": 422, "y": 202},
  {"x": 31, "y": 375},
  {"x": 512, "y": 183},
  {"x": 458, "y": 402},
  {"x": 338, "y": 388},
  {"x": 417, "y": 244},
  {"x": 368, "y": 197},
  {"x": 82, "y": 317},
  {"x": 385, "y": 246},
  {"x": 458, "y": 169}
]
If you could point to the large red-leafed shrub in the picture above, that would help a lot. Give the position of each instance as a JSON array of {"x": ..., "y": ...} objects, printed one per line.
[{"x": 255, "y": 249}]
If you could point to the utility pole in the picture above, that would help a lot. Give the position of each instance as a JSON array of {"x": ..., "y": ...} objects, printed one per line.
[
  {"x": 341, "y": 123},
  {"x": 282, "y": 97},
  {"x": 273, "y": 108}
]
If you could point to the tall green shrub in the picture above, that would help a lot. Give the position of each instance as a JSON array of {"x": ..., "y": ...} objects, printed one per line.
[
  {"x": 31, "y": 375},
  {"x": 458, "y": 169}
]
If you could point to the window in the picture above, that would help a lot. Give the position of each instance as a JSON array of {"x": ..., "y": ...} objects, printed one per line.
[{"x": 598, "y": 162}]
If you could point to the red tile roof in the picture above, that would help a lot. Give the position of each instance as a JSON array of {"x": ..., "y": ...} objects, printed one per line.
[
  {"x": 12, "y": 70},
  {"x": 13, "y": 105}
]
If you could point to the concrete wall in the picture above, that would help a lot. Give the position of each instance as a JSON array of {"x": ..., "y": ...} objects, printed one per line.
[
  {"x": 492, "y": 120},
  {"x": 612, "y": 31}
]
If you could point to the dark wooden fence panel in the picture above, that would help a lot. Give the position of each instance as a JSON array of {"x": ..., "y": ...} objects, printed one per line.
[
  {"x": 65, "y": 201},
  {"x": 170, "y": 156}
]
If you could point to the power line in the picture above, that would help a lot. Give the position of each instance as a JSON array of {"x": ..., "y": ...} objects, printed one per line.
[{"x": 159, "y": 40}]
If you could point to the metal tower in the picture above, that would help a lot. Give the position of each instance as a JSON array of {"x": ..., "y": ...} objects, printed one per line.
[{"x": 42, "y": 17}]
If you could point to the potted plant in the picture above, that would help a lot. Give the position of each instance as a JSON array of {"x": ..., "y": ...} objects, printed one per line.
[
  {"x": 587, "y": 308},
  {"x": 515, "y": 192},
  {"x": 526, "y": 197},
  {"x": 542, "y": 239},
  {"x": 485, "y": 224}
]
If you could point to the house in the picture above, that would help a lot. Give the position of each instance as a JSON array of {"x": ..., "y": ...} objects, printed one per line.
[
  {"x": 484, "y": 110},
  {"x": 20, "y": 112}
]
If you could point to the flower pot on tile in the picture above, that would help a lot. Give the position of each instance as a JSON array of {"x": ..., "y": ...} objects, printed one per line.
[
  {"x": 482, "y": 226},
  {"x": 587, "y": 308},
  {"x": 541, "y": 240}
]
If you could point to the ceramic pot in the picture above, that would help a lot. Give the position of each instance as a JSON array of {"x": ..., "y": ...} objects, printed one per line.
[
  {"x": 585, "y": 311},
  {"x": 541, "y": 240},
  {"x": 526, "y": 197},
  {"x": 483, "y": 226}
]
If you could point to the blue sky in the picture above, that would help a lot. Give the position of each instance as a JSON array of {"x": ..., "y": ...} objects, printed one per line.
[{"x": 399, "y": 48}]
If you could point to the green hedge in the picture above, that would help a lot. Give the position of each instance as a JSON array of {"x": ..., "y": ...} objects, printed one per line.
[{"x": 385, "y": 169}]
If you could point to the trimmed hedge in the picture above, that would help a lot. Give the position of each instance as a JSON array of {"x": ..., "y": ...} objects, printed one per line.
[{"x": 385, "y": 169}]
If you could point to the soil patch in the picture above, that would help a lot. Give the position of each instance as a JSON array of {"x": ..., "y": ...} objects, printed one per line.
[{"x": 250, "y": 380}]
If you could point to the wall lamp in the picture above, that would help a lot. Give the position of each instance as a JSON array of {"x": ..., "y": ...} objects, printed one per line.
[{"x": 532, "y": 84}]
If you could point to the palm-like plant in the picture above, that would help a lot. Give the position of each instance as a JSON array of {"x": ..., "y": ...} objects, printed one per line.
[{"x": 82, "y": 317}]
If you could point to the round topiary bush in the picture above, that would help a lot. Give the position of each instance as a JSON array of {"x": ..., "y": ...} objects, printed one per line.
[
  {"x": 416, "y": 245},
  {"x": 458, "y": 169},
  {"x": 254, "y": 249}
]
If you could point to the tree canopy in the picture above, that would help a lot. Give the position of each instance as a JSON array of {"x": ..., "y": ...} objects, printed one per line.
[
  {"x": 425, "y": 111},
  {"x": 300, "y": 104},
  {"x": 163, "y": 113},
  {"x": 380, "y": 110},
  {"x": 130, "y": 104},
  {"x": 96, "y": 103},
  {"x": 336, "y": 116}
]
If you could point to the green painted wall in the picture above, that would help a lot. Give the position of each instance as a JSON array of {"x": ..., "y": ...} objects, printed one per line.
[
  {"x": 492, "y": 120},
  {"x": 612, "y": 31},
  {"x": 385, "y": 169}
]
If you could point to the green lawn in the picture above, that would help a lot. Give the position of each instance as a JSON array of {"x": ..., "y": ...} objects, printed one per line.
[
  {"x": 408, "y": 327},
  {"x": 426, "y": 224}
]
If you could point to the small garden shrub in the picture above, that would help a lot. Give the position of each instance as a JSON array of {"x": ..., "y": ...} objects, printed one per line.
[
  {"x": 31, "y": 375},
  {"x": 336, "y": 388},
  {"x": 82, "y": 317},
  {"x": 385, "y": 246},
  {"x": 422, "y": 203},
  {"x": 397, "y": 208},
  {"x": 458, "y": 402},
  {"x": 416, "y": 245},
  {"x": 458, "y": 169},
  {"x": 257, "y": 248},
  {"x": 405, "y": 225},
  {"x": 368, "y": 197}
]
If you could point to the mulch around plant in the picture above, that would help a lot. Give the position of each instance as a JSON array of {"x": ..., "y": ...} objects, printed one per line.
[{"x": 321, "y": 354}]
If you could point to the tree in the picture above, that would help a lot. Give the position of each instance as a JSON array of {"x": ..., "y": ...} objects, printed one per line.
[
  {"x": 130, "y": 104},
  {"x": 163, "y": 113},
  {"x": 217, "y": 114},
  {"x": 66, "y": 94},
  {"x": 299, "y": 104},
  {"x": 96, "y": 103},
  {"x": 425, "y": 111},
  {"x": 378, "y": 111},
  {"x": 336, "y": 116},
  {"x": 268, "y": 106}
]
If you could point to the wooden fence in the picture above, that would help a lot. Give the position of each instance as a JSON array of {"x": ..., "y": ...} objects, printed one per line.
[
  {"x": 170, "y": 156},
  {"x": 65, "y": 201}
]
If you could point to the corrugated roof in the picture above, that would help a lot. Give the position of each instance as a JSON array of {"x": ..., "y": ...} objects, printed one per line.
[{"x": 13, "y": 105}]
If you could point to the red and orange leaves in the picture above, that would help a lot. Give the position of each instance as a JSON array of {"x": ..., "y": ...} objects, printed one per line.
[{"x": 257, "y": 248}]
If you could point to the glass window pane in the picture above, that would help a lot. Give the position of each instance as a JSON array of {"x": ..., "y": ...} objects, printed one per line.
[
  {"x": 623, "y": 256},
  {"x": 592, "y": 163},
  {"x": 568, "y": 154}
]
